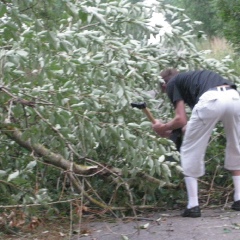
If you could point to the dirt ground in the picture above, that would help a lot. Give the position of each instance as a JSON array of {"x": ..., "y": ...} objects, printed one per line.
[{"x": 215, "y": 223}]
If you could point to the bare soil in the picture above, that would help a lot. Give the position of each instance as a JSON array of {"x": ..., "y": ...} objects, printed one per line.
[{"x": 214, "y": 223}]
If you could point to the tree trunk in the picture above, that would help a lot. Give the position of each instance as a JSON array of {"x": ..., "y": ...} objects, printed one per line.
[{"x": 38, "y": 149}]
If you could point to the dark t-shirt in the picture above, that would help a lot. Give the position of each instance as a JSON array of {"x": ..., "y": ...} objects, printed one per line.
[{"x": 189, "y": 86}]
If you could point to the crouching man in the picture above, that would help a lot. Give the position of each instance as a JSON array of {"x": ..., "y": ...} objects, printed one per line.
[{"x": 212, "y": 99}]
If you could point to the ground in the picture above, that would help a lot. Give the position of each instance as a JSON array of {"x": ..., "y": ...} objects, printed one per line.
[{"x": 215, "y": 223}]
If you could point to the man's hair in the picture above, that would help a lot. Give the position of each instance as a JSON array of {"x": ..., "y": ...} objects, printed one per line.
[{"x": 169, "y": 73}]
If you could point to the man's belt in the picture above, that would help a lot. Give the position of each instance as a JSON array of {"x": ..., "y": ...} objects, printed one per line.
[{"x": 220, "y": 88}]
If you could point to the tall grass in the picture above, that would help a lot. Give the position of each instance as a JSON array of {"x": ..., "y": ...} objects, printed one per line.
[{"x": 220, "y": 48}]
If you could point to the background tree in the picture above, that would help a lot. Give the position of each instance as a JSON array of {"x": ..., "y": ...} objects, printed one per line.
[
  {"x": 220, "y": 18},
  {"x": 230, "y": 15},
  {"x": 204, "y": 11},
  {"x": 66, "y": 87}
]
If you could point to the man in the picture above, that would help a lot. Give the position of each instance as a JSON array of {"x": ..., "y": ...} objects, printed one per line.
[{"x": 212, "y": 98}]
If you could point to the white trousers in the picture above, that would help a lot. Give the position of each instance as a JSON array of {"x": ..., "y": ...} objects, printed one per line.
[{"x": 212, "y": 107}]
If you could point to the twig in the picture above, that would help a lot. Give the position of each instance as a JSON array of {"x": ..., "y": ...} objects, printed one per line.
[
  {"x": 64, "y": 184},
  {"x": 79, "y": 187},
  {"x": 132, "y": 203},
  {"x": 32, "y": 6},
  {"x": 115, "y": 191},
  {"x": 25, "y": 114},
  {"x": 98, "y": 196},
  {"x": 43, "y": 101},
  {"x": 80, "y": 215},
  {"x": 36, "y": 204},
  {"x": 227, "y": 198},
  {"x": 89, "y": 25},
  {"x": 211, "y": 186},
  {"x": 71, "y": 221},
  {"x": 9, "y": 113},
  {"x": 7, "y": 92},
  {"x": 155, "y": 180},
  {"x": 141, "y": 218}
]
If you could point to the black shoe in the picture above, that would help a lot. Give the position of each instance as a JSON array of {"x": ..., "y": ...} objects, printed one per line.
[
  {"x": 193, "y": 212},
  {"x": 236, "y": 205}
]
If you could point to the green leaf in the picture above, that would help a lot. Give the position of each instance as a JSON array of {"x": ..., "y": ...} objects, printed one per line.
[
  {"x": 22, "y": 53},
  {"x": 150, "y": 163},
  {"x": 166, "y": 169},
  {"x": 145, "y": 124},
  {"x": 2, "y": 173},
  {"x": 31, "y": 165},
  {"x": 135, "y": 125},
  {"x": 72, "y": 10},
  {"x": 3, "y": 10},
  {"x": 77, "y": 105},
  {"x": 13, "y": 175},
  {"x": 83, "y": 16}
]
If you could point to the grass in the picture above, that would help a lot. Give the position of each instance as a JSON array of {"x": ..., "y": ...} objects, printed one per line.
[{"x": 220, "y": 48}]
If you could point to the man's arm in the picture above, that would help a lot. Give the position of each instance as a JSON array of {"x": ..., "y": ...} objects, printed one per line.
[{"x": 179, "y": 121}]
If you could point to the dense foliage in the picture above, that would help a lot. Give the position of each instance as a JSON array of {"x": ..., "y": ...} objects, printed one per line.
[
  {"x": 204, "y": 11},
  {"x": 218, "y": 17},
  {"x": 230, "y": 15},
  {"x": 67, "y": 81}
]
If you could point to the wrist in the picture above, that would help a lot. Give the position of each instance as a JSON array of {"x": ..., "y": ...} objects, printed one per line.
[{"x": 166, "y": 127}]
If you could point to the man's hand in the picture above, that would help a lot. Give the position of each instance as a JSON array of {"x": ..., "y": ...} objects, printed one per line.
[{"x": 159, "y": 128}]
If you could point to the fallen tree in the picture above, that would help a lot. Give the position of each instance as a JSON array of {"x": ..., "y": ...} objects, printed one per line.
[
  {"x": 74, "y": 170},
  {"x": 67, "y": 81}
]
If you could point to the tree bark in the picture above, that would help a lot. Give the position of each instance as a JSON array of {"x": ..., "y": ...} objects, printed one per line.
[{"x": 38, "y": 149}]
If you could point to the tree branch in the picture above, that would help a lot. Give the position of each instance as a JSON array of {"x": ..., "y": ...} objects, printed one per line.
[{"x": 49, "y": 156}]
